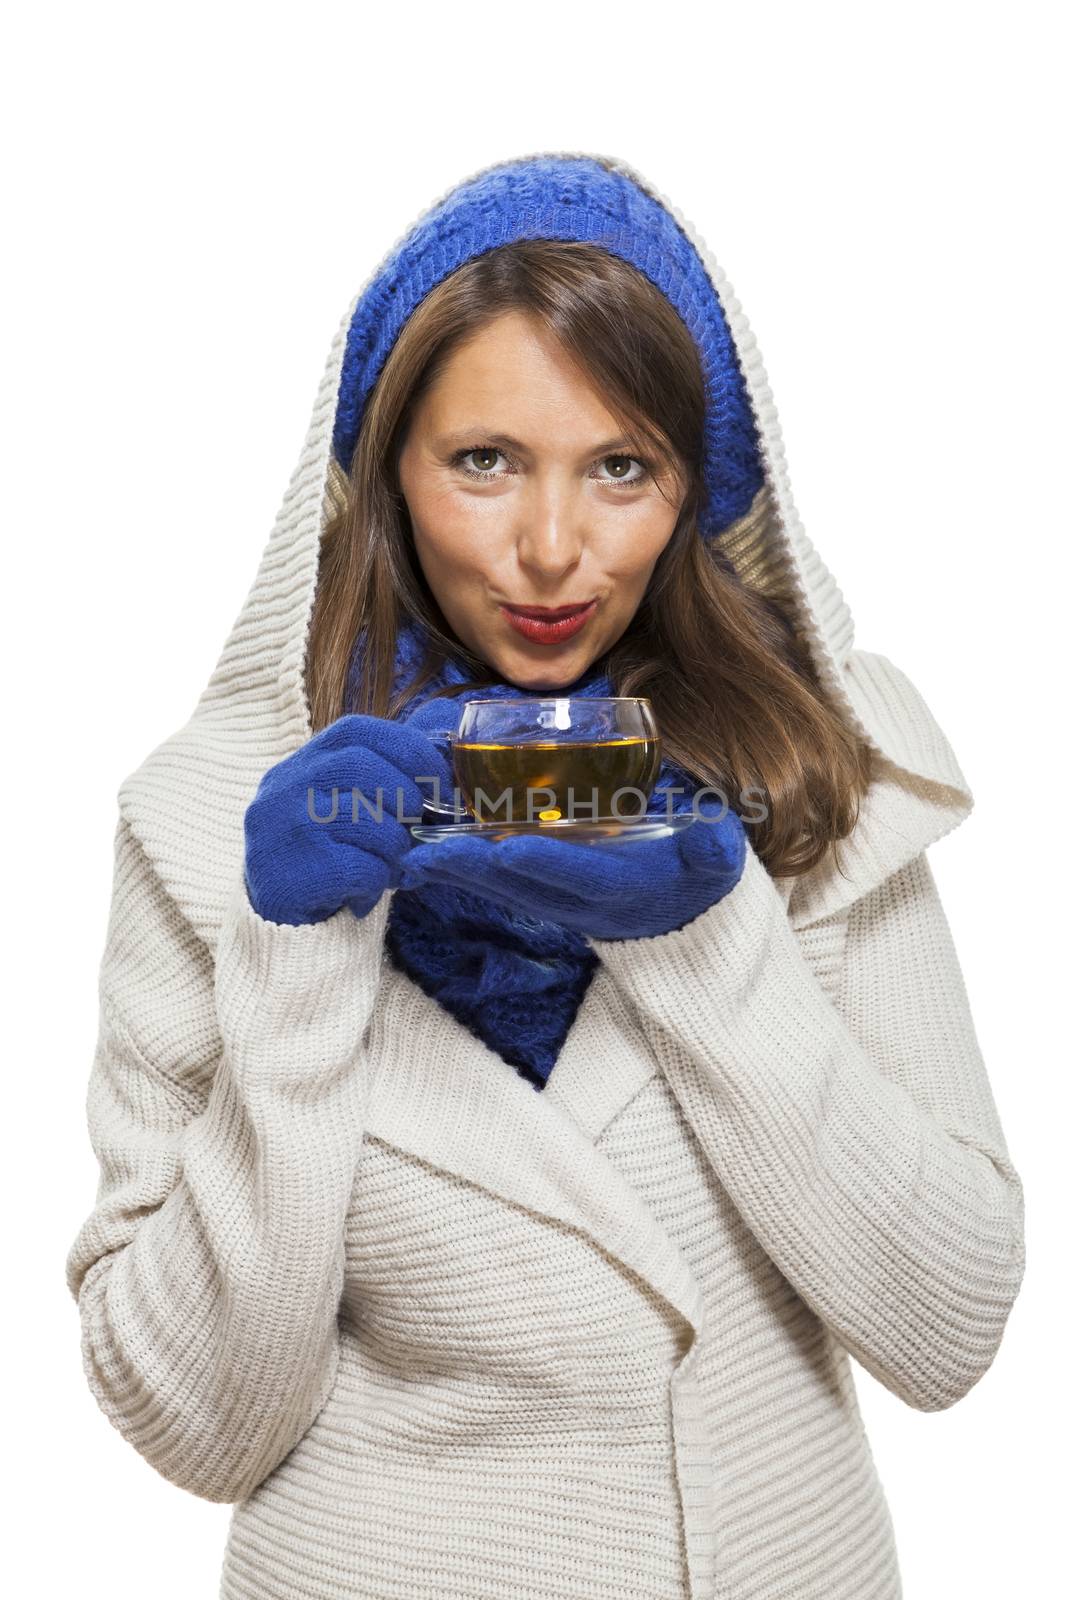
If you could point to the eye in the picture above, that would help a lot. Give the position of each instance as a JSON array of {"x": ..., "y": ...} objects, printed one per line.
[
  {"x": 485, "y": 458},
  {"x": 625, "y": 462},
  {"x": 479, "y": 452}
]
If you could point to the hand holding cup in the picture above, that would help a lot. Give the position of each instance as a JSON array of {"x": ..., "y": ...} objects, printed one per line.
[{"x": 312, "y": 845}]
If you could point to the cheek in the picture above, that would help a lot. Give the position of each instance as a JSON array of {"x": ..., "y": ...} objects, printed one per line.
[
  {"x": 457, "y": 561},
  {"x": 443, "y": 535},
  {"x": 630, "y": 546}
]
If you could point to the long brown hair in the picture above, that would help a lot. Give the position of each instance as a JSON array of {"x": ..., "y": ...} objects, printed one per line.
[{"x": 735, "y": 694}]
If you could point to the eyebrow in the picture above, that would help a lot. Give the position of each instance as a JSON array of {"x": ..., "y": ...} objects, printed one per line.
[{"x": 490, "y": 436}]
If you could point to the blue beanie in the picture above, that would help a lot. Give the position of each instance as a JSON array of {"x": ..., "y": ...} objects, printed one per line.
[{"x": 576, "y": 198}]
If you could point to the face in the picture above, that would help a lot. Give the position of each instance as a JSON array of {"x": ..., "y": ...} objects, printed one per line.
[{"x": 523, "y": 493}]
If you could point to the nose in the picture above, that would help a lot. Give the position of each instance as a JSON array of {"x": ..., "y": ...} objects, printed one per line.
[{"x": 550, "y": 536}]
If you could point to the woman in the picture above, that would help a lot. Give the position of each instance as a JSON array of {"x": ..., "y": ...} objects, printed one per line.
[{"x": 499, "y": 1218}]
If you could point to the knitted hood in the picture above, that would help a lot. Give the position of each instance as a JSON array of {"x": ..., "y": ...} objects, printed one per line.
[{"x": 186, "y": 800}]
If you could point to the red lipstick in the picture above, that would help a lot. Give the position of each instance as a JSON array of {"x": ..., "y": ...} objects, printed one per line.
[{"x": 549, "y": 624}]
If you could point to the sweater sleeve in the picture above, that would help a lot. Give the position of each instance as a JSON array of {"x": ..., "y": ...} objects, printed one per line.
[
  {"x": 858, "y": 1139},
  {"x": 225, "y": 1108}
]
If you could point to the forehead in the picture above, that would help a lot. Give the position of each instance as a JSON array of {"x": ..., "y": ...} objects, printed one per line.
[{"x": 515, "y": 378}]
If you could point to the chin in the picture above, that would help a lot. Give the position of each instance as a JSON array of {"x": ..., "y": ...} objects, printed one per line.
[{"x": 549, "y": 678}]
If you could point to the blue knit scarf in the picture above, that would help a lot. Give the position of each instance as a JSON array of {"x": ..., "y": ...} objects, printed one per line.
[{"x": 514, "y": 981}]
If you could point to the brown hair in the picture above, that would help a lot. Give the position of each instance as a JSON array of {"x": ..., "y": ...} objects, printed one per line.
[{"x": 735, "y": 694}]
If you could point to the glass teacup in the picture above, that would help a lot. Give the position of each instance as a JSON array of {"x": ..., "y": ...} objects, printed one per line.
[
  {"x": 582, "y": 767},
  {"x": 580, "y": 759}
]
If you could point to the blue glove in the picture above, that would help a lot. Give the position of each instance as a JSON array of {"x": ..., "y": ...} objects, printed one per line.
[
  {"x": 628, "y": 889},
  {"x": 299, "y": 870},
  {"x": 438, "y": 717}
]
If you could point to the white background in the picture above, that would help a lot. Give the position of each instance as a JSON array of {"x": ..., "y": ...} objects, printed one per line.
[{"x": 193, "y": 194}]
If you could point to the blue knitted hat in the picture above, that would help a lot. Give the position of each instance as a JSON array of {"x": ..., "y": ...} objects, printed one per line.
[{"x": 576, "y": 198}]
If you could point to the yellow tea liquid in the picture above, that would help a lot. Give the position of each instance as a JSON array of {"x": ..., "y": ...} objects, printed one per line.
[{"x": 585, "y": 776}]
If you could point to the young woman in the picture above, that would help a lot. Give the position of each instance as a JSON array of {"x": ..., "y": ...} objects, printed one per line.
[{"x": 499, "y": 1217}]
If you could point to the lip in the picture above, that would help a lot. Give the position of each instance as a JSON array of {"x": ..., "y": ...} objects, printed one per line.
[{"x": 549, "y": 624}]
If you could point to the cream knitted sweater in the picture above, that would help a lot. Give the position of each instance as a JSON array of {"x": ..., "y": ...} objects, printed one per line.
[{"x": 436, "y": 1333}]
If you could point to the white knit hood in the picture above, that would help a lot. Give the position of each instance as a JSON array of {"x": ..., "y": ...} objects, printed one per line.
[{"x": 186, "y": 800}]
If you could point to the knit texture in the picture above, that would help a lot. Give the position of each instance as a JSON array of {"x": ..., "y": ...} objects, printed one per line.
[
  {"x": 297, "y": 871},
  {"x": 515, "y": 980},
  {"x": 577, "y": 198},
  {"x": 453, "y": 1336}
]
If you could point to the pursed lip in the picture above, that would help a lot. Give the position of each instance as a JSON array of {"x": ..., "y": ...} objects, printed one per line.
[
  {"x": 549, "y": 625},
  {"x": 550, "y": 613}
]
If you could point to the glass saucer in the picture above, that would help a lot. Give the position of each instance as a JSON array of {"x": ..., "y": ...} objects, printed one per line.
[{"x": 579, "y": 830}]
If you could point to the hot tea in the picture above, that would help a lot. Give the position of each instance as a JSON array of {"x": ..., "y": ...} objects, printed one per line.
[{"x": 545, "y": 780}]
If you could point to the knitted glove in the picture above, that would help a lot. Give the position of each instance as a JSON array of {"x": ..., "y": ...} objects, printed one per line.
[
  {"x": 631, "y": 889},
  {"x": 438, "y": 717},
  {"x": 300, "y": 870}
]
